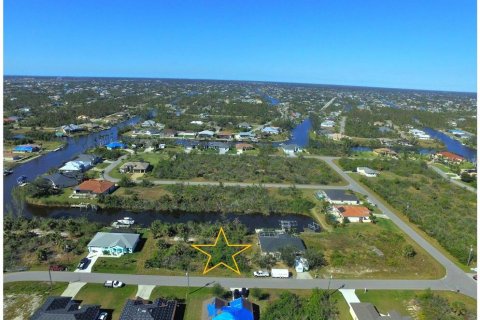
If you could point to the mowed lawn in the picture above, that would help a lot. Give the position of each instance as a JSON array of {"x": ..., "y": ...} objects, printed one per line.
[
  {"x": 366, "y": 250},
  {"x": 400, "y": 300},
  {"x": 110, "y": 299}
]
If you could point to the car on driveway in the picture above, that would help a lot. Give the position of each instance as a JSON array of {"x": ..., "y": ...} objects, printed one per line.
[
  {"x": 83, "y": 264},
  {"x": 113, "y": 284},
  {"x": 103, "y": 316}
]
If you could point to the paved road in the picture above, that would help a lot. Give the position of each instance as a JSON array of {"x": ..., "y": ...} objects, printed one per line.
[
  {"x": 328, "y": 104},
  {"x": 458, "y": 183},
  {"x": 455, "y": 277}
]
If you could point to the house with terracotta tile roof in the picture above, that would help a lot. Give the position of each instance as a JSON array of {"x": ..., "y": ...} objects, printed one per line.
[
  {"x": 93, "y": 188},
  {"x": 244, "y": 147},
  {"x": 353, "y": 213},
  {"x": 224, "y": 135},
  {"x": 449, "y": 156}
]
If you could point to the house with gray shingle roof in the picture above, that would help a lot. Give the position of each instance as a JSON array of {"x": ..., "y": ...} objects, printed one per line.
[
  {"x": 113, "y": 243},
  {"x": 139, "y": 309},
  {"x": 64, "y": 308}
]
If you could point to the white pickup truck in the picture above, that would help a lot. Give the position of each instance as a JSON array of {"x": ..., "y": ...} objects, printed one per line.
[{"x": 261, "y": 273}]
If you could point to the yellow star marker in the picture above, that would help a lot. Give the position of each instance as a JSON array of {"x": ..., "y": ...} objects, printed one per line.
[{"x": 221, "y": 232}]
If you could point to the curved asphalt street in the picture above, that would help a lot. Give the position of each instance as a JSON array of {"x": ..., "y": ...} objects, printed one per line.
[{"x": 455, "y": 278}]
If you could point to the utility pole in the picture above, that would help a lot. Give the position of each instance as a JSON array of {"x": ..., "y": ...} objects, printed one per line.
[
  {"x": 470, "y": 255},
  {"x": 188, "y": 285},
  {"x": 329, "y": 280},
  {"x": 50, "y": 276}
]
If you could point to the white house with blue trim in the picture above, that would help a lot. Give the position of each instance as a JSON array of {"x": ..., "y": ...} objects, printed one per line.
[{"x": 114, "y": 244}]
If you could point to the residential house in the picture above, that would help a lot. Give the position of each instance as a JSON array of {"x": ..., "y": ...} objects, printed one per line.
[
  {"x": 73, "y": 166},
  {"x": 245, "y": 135},
  {"x": 245, "y": 125},
  {"x": 115, "y": 244},
  {"x": 197, "y": 122},
  {"x": 187, "y": 134},
  {"x": 115, "y": 145},
  {"x": 206, "y": 134},
  {"x": 291, "y": 149},
  {"x": 449, "y": 157},
  {"x": 26, "y": 148},
  {"x": 189, "y": 145},
  {"x": 385, "y": 152},
  {"x": 353, "y": 213},
  {"x": 135, "y": 167},
  {"x": 10, "y": 156},
  {"x": 59, "y": 181},
  {"x": 148, "y": 123},
  {"x": 244, "y": 147},
  {"x": 222, "y": 147},
  {"x": 65, "y": 308},
  {"x": 337, "y": 196},
  {"x": 270, "y": 130},
  {"x": 139, "y": 309},
  {"x": 272, "y": 242},
  {"x": 169, "y": 133},
  {"x": 228, "y": 135},
  {"x": 72, "y": 128},
  {"x": 238, "y": 309},
  {"x": 419, "y": 134},
  {"x": 367, "y": 311},
  {"x": 88, "y": 160},
  {"x": 327, "y": 124},
  {"x": 367, "y": 172},
  {"x": 93, "y": 188}
]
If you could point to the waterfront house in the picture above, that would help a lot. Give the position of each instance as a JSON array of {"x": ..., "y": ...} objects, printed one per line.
[
  {"x": 367, "y": 172},
  {"x": 93, "y": 188},
  {"x": 169, "y": 133},
  {"x": 270, "y": 130},
  {"x": 88, "y": 160},
  {"x": 115, "y": 244},
  {"x": 272, "y": 242},
  {"x": 73, "y": 166},
  {"x": 244, "y": 125},
  {"x": 225, "y": 135},
  {"x": 244, "y": 146},
  {"x": 291, "y": 149},
  {"x": 115, "y": 145},
  {"x": 353, "y": 213},
  {"x": 327, "y": 124},
  {"x": 337, "y": 196},
  {"x": 135, "y": 167},
  {"x": 72, "y": 128},
  {"x": 385, "y": 152},
  {"x": 10, "y": 156},
  {"x": 65, "y": 308},
  {"x": 148, "y": 123},
  {"x": 139, "y": 309},
  {"x": 449, "y": 157},
  {"x": 245, "y": 136},
  {"x": 222, "y": 147},
  {"x": 59, "y": 181},
  {"x": 187, "y": 134},
  {"x": 26, "y": 148}
]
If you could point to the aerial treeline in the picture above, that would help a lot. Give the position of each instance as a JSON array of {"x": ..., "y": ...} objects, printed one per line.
[
  {"x": 323, "y": 145},
  {"x": 360, "y": 123},
  {"x": 246, "y": 168},
  {"x": 319, "y": 306},
  {"x": 23, "y": 247},
  {"x": 214, "y": 199},
  {"x": 433, "y": 306},
  {"x": 444, "y": 211}
]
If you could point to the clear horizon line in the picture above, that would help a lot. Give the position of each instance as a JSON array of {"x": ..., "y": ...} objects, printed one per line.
[{"x": 210, "y": 79}]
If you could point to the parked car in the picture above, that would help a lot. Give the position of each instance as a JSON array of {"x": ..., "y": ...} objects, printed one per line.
[
  {"x": 113, "y": 284},
  {"x": 57, "y": 267},
  {"x": 475, "y": 277},
  {"x": 261, "y": 273},
  {"x": 103, "y": 316},
  {"x": 83, "y": 264}
]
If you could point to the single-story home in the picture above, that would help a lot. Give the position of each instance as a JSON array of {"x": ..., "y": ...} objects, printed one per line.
[
  {"x": 148, "y": 123},
  {"x": 88, "y": 160},
  {"x": 222, "y": 147},
  {"x": 94, "y": 187},
  {"x": 244, "y": 125},
  {"x": 169, "y": 133},
  {"x": 291, "y": 149},
  {"x": 114, "y": 243},
  {"x": 367, "y": 311},
  {"x": 135, "y": 167},
  {"x": 73, "y": 166},
  {"x": 26, "y": 148},
  {"x": 187, "y": 134},
  {"x": 60, "y": 181},
  {"x": 225, "y": 135},
  {"x": 245, "y": 135},
  {"x": 327, "y": 124},
  {"x": 244, "y": 146},
  {"x": 449, "y": 156},
  {"x": 367, "y": 172},
  {"x": 115, "y": 145},
  {"x": 65, "y": 308},
  {"x": 207, "y": 134},
  {"x": 338, "y": 196},
  {"x": 272, "y": 242},
  {"x": 385, "y": 152},
  {"x": 220, "y": 309},
  {"x": 354, "y": 213},
  {"x": 271, "y": 130},
  {"x": 139, "y": 309},
  {"x": 189, "y": 145},
  {"x": 71, "y": 128}
]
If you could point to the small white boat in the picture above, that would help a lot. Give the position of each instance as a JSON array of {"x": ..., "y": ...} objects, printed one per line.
[{"x": 126, "y": 220}]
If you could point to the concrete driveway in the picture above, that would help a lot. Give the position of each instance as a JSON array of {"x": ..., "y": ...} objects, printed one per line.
[{"x": 93, "y": 258}]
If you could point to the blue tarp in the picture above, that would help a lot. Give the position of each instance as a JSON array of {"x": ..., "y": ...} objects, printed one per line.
[
  {"x": 236, "y": 311},
  {"x": 115, "y": 145}
]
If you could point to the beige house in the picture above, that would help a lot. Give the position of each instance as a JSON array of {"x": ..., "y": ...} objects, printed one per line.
[{"x": 135, "y": 167}]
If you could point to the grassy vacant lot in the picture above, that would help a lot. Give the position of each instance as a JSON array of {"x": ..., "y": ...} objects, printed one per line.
[
  {"x": 401, "y": 300},
  {"x": 244, "y": 168},
  {"x": 198, "y": 295},
  {"x": 442, "y": 210},
  {"x": 355, "y": 251},
  {"x": 21, "y": 299},
  {"x": 111, "y": 299}
]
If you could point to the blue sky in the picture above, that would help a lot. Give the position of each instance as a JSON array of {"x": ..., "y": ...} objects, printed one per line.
[{"x": 404, "y": 44}]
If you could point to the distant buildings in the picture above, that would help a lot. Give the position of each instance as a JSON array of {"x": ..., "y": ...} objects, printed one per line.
[
  {"x": 449, "y": 157},
  {"x": 419, "y": 134},
  {"x": 27, "y": 148},
  {"x": 271, "y": 130}
]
